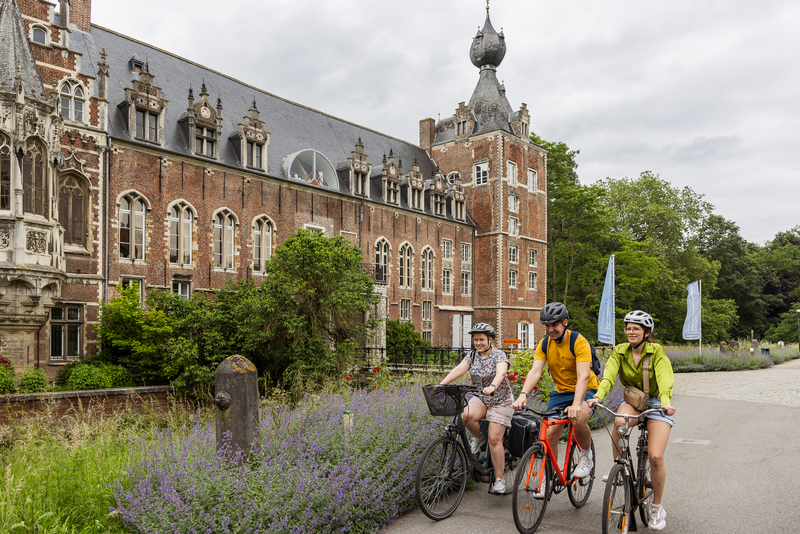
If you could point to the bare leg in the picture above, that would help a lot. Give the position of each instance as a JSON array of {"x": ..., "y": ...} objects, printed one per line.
[
  {"x": 658, "y": 437},
  {"x": 581, "y": 430},
  {"x": 496, "y": 431},
  {"x": 623, "y": 408},
  {"x": 471, "y": 415}
]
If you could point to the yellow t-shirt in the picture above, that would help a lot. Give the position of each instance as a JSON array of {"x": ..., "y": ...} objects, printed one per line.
[{"x": 561, "y": 362}]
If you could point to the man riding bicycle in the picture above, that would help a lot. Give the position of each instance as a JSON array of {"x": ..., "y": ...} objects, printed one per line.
[{"x": 575, "y": 382}]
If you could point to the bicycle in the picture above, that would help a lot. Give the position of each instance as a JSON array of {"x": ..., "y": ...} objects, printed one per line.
[
  {"x": 635, "y": 486},
  {"x": 444, "y": 465},
  {"x": 537, "y": 479}
]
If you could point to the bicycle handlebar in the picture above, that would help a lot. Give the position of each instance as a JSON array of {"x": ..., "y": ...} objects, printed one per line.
[
  {"x": 550, "y": 413},
  {"x": 627, "y": 416}
]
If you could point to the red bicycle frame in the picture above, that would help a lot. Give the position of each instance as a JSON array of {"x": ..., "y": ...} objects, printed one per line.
[{"x": 547, "y": 423}]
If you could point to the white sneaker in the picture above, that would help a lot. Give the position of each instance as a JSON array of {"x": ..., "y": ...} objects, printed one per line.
[
  {"x": 499, "y": 487},
  {"x": 475, "y": 444},
  {"x": 618, "y": 481},
  {"x": 658, "y": 517},
  {"x": 584, "y": 467}
]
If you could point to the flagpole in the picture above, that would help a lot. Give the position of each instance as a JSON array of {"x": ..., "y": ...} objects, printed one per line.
[
  {"x": 700, "y": 295},
  {"x": 613, "y": 303}
]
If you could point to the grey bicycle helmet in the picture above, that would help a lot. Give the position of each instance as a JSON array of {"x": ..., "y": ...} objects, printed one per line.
[
  {"x": 641, "y": 318},
  {"x": 553, "y": 312},
  {"x": 483, "y": 328}
]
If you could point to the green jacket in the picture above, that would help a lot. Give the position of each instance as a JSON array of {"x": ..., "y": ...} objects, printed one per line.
[{"x": 621, "y": 362}]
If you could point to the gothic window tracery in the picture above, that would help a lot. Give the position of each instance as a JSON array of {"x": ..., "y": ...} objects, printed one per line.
[
  {"x": 72, "y": 204},
  {"x": 5, "y": 173},
  {"x": 181, "y": 217},
  {"x": 263, "y": 233},
  {"x": 382, "y": 260},
  {"x": 72, "y": 101},
  {"x": 224, "y": 239},
  {"x": 131, "y": 227},
  {"x": 33, "y": 179}
]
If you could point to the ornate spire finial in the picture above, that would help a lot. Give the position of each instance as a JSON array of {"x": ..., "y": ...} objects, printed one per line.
[
  {"x": 203, "y": 87},
  {"x": 359, "y": 140},
  {"x": 487, "y": 5},
  {"x": 191, "y": 92},
  {"x": 219, "y": 101},
  {"x": 391, "y": 153},
  {"x": 254, "y": 104}
]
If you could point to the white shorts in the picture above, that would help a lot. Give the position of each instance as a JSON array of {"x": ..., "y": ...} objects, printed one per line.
[{"x": 500, "y": 413}]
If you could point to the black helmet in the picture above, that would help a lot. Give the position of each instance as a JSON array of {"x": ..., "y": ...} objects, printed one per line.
[
  {"x": 483, "y": 328},
  {"x": 641, "y": 318},
  {"x": 553, "y": 312}
]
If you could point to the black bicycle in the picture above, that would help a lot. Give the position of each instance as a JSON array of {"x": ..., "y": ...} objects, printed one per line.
[
  {"x": 446, "y": 463},
  {"x": 628, "y": 488}
]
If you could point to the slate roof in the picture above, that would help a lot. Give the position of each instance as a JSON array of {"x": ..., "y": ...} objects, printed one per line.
[
  {"x": 292, "y": 126},
  {"x": 16, "y": 53}
]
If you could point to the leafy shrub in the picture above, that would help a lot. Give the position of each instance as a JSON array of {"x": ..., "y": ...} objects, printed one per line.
[
  {"x": 33, "y": 381},
  {"x": 7, "y": 380},
  {"x": 85, "y": 376},
  {"x": 309, "y": 475},
  {"x": 118, "y": 376},
  {"x": 401, "y": 334}
]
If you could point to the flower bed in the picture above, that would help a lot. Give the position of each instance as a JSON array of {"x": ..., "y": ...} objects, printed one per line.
[
  {"x": 688, "y": 360},
  {"x": 310, "y": 474}
]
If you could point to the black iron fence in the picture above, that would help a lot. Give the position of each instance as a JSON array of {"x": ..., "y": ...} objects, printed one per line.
[{"x": 415, "y": 358}]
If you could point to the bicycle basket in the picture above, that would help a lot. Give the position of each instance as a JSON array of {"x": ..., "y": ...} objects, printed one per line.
[{"x": 445, "y": 400}]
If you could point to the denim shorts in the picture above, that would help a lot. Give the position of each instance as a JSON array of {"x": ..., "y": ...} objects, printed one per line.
[
  {"x": 657, "y": 416},
  {"x": 563, "y": 400}
]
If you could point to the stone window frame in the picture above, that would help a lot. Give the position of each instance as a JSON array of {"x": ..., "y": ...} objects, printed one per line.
[
  {"x": 383, "y": 252},
  {"x": 511, "y": 169},
  {"x": 427, "y": 310},
  {"x": 466, "y": 252},
  {"x": 513, "y": 278},
  {"x": 225, "y": 225},
  {"x": 513, "y": 226},
  {"x": 262, "y": 247},
  {"x": 83, "y": 184},
  {"x": 392, "y": 192},
  {"x": 405, "y": 309},
  {"x": 406, "y": 265},
  {"x": 131, "y": 196},
  {"x": 533, "y": 281},
  {"x": 207, "y": 136},
  {"x": 458, "y": 210},
  {"x": 533, "y": 257},
  {"x": 127, "y": 281},
  {"x": 5, "y": 172},
  {"x": 150, "y": 120},
  {"x": 513, "y": 254},
  {"x": 64, "y": 321},
  {"x": 44, "y": 31},
  {"x": 254, "y": 154},
  {"x": 182, "y": 287},
  {"x": 480, "y": 177},
  {"x": 427, "y": 269},
  {"x": 447, "y": 249},
  {"x": 31, "y": 185},
  {"x": 68, "y": 100},
  {"x": 533, "y": 178},
  {"x": 451, "y": 178},
  {"x": 513, "y": 205},
  {"x": 185, "y": 207},
  {"x": 447, "y": 282},
  {"x": 466, "y": 289}
]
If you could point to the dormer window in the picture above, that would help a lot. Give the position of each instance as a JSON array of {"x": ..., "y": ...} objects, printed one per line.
[
  {"x": 204, "y": 141},
  {"x": 254, "y": 152},
  {"x": 416, "y": 199},
  {"x": 39, "y": 35},
  {"x": 438, "y": 204},
  {"x": 461, "y": 127},
  {"x": 72, "y": 101},
  {"x": 451, "y": 178},
  {"x": 392, "y": 192},
  {"x": 458, "y": 208},
  {"x": 146, "y": 125}
]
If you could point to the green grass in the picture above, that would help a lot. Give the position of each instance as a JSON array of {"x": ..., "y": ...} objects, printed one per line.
[{"x": 55, "y": 472}]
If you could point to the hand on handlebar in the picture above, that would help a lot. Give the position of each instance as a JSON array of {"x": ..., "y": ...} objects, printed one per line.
[
  {"x": 592, "y": 402},
  {"x": 669, "y": 410},
  {"x": 521, "y": 402}
]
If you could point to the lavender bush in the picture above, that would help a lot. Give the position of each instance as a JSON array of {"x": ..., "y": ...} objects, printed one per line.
[
  {"x": 688, "y": 360},
  {"x": 310, "y": 474}
]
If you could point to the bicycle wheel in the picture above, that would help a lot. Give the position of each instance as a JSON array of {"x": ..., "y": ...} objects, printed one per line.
[
  {"x": 441, "y": 478},
  {"x": 644, "y": 488},
  {"x": 534, "y": 475},
  {"x": 579, "y": 489},
  {"x": 616, "y": 501}
]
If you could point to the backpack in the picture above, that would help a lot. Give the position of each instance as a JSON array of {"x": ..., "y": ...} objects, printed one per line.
[{"x": 573, "y": 337}]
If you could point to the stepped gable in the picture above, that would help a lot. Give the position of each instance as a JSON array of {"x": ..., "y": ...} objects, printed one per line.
[{"x": 16, "y": 55}]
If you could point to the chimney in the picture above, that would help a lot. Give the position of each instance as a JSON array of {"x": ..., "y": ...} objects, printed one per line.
[{"x": 427, "y": 130}]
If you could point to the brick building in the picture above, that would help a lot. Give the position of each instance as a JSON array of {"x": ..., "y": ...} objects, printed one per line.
[{"x": 124, "y": 164}]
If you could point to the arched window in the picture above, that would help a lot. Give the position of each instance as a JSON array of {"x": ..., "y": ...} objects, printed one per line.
[
  {"x": 382, "y": 261},
  {"x": 224, "y": 235},
  {"x": 131, "y": 227},
  {"x": 263, "y": 232},
  {"x": 33, "y": 179},
  {"x": 5, "y": 173},
  {"x": 180, "y": 234},
  {"x": 72, "y": 101},
  {"x": 405, "y": 265},
  {"x": 72, "y": 210},
  {"x": 39, "y": 35},
  {"x": 427, "y": 269}
]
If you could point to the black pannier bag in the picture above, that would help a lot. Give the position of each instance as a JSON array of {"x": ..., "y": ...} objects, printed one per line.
[{"x": 524, "y": 433}]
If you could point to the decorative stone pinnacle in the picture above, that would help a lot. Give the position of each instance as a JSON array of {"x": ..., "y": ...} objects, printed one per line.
[
  {"x": 391, "y": 153},
  {"x": 191, "y": 92},
  {"x": 203, "y": 87},
  {"x": 254, "y": 104},
  {"x": 219, "y": 101}
]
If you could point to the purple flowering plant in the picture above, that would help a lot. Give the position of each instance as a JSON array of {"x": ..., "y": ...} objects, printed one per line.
[{"x": 310, "y": 473}]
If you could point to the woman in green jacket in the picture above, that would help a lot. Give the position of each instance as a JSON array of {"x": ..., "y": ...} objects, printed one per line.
[{"x": 627, "y": 362}]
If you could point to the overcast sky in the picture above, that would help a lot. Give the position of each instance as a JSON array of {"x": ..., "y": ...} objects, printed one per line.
[{"x": 704, "y": 93}]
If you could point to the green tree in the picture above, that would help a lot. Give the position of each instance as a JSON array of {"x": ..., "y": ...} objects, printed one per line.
[
  {"x": 402, "y": 334},
  {"x": 743, "y": 275},
  {"x": 786, "y": 329},
  {"x": 316, "y": 291}
]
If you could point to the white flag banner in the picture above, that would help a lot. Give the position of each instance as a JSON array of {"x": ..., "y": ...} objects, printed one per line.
[{"x": 691, "y": 326}]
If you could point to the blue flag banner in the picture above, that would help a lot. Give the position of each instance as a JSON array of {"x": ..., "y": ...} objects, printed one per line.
[
  {"x": 691, "y": 327},
  {"x": 605, "y": 317}
]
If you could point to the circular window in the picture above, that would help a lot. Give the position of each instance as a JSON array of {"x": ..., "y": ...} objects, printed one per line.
[{"x": 312, "y": 167}]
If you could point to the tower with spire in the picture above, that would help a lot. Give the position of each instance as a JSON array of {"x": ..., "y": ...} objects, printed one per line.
[{"x": 486, "y": 145}]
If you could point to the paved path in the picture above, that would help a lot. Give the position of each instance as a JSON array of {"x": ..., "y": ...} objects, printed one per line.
[{"x": 744, "y": 479}]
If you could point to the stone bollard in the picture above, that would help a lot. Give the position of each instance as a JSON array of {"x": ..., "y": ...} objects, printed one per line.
[
  {"x": 723, "y": 347},
  {"x": 236, "y": 397}
]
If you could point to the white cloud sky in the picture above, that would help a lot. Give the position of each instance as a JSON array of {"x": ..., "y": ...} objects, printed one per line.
[{"x": 704, "y": 93}]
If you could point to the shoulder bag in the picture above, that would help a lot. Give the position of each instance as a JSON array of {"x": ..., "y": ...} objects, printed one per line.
[{"x": 636, "y": 397}]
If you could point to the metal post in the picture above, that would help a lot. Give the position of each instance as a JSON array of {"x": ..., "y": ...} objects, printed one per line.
[
  {"x": 700, "y": 296},
  {"x": 798, "y": 328},
  {"x": 236, "y": 397}
]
